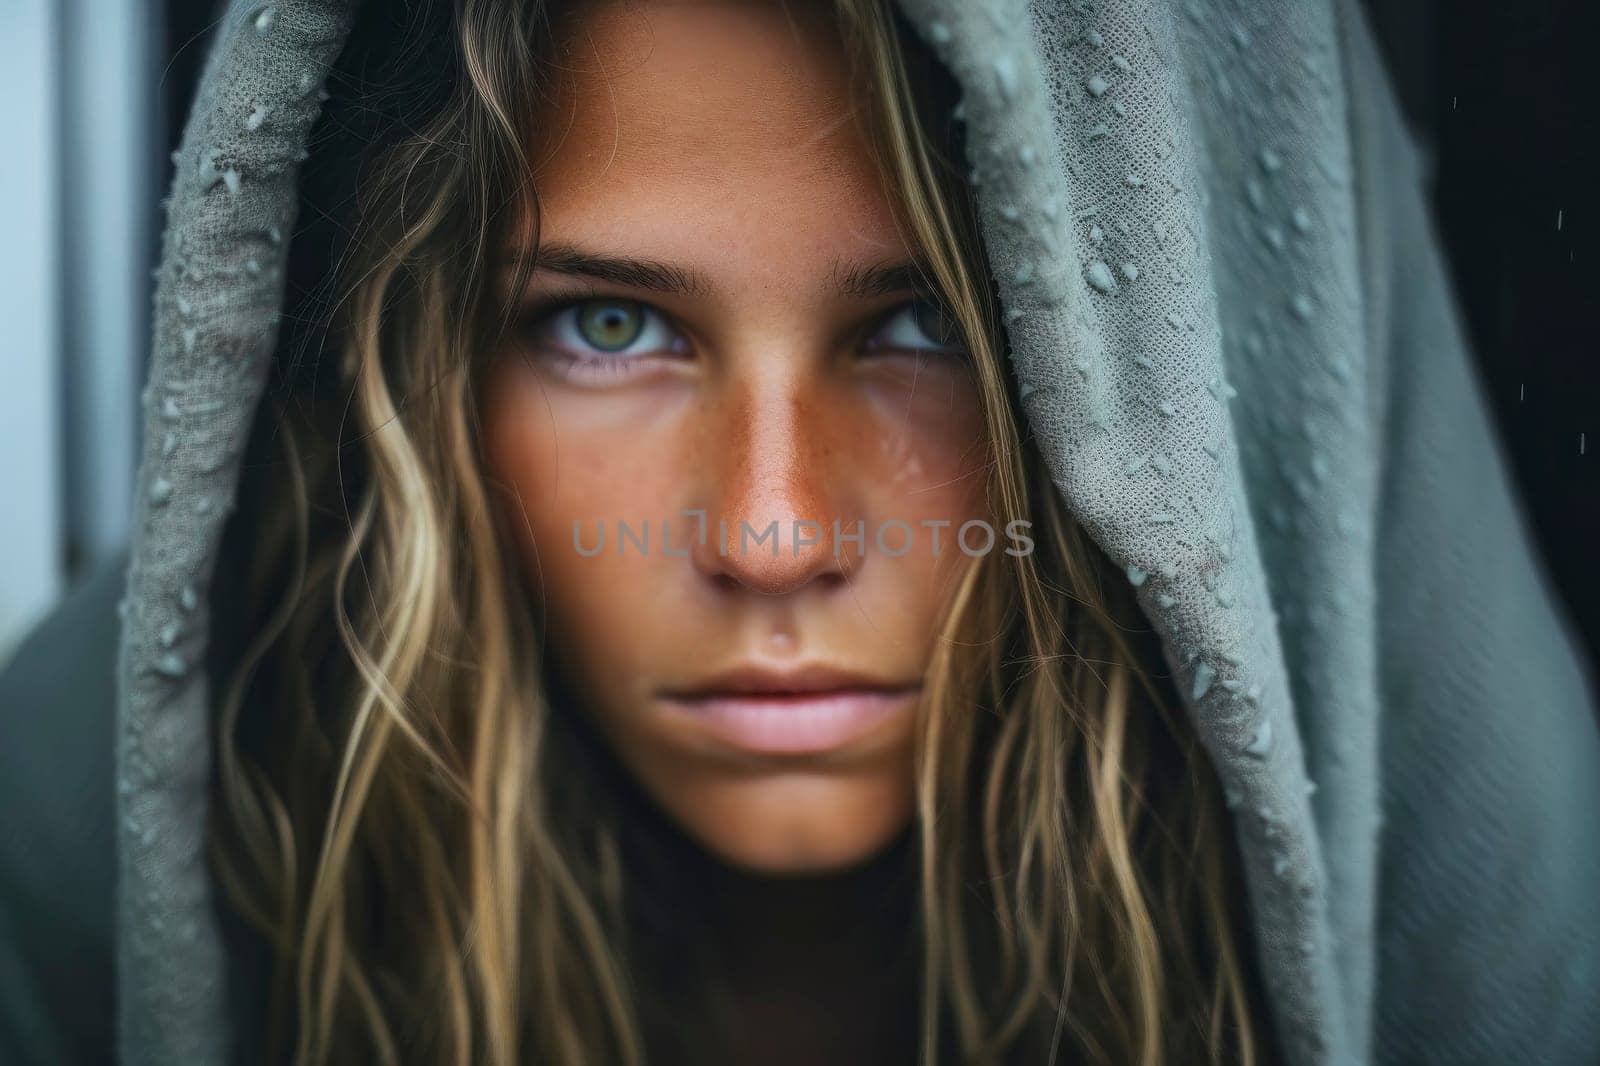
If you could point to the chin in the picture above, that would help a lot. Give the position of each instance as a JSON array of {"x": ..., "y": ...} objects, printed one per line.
[{"x": 794, "y": 824}]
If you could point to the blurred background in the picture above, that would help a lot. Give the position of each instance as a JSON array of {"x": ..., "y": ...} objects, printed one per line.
[{"x": 1503, "y": 94}]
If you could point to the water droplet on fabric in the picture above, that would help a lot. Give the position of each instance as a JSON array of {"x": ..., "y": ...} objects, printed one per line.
[
  {"x": 1097, "y": 85},
  {"x": 170, "y": 409},
  {"x": 1135, "y": 465},
  {"x": 1260, "y": 744},
  {"x": 1280, "y": 866},
  {"x": 1270, "y": 160},
  {"x": 188, "y": 599},
  {"x": 207, "y": 170},
  {"x": 1301, "y": 304},
  {"x": 1096, "y": 132},
  {"x": 1255, "y": 194},
  {"x": 1024, "y": 272},
  {"x": 1026, "y": 390},
  {"x": 939, "y": 33},
  {"x": 266, "y": 19},
  {"x": 1130, "y": 271},
  {"x": 1165, "y": 600},
  {"x": 1005, "y": 77},
  {"x": 190, "y": 335},
  {"x": 1099, "y": 276},
  {"x": 1136, "y": 576},
  {"x": 172, "y": 665},
  {"x": 1121, "y": 63},
  {"x": 1301, "y": 219},
  {"x": 1144, "y": 361},
  {"x": 258, "y": 115},
  {"x": 1174, "y": 321},
  {"x": 169, "y": 635},
  {"x": 1203, "y": 675},
  {"x": 230, "y": 178},
  {"x": 1222, "y": 390},
  {"x": 1135, "y": 180},
  {"x": 160, "y": 491},
  {"x": 1096, "y": 234},
  {"x": 1095, "y": 39},
  {"x": 169, "y": 444}
]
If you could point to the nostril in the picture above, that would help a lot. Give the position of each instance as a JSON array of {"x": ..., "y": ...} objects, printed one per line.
[{"x": 776, "y": 565}]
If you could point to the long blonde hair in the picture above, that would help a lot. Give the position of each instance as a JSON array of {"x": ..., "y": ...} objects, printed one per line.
[{"x": 392, "y": 771}]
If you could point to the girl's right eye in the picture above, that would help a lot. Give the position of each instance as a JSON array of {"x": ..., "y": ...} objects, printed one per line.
[{"x": 606, "y": 329}]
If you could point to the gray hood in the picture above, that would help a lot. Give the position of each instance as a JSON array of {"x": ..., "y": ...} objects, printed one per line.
[{"x": 1233, "y": 334}]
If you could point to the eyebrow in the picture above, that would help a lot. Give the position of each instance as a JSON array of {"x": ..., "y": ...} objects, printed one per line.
[
  {"x": 882, "y": 279},
  {"x": 621, "y": 270},
  {"x": 855, "y": 280}
]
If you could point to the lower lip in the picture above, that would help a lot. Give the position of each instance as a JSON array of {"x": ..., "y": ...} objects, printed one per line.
[{"x": 795, "y": 724}]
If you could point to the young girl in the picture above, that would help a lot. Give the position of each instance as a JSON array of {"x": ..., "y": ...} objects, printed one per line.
[
  {"x": 660, "y": 624},
  {"x": 540, "y": 750}
]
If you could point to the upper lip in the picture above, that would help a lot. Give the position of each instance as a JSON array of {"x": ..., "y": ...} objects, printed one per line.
[{"x": 773, "y": 681}]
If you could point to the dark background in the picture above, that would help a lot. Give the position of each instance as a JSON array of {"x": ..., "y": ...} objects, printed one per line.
[{"x": 1503, "y": 95}]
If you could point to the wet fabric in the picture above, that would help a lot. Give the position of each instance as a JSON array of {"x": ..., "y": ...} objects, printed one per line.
[{"x": 1234, "y": 337}]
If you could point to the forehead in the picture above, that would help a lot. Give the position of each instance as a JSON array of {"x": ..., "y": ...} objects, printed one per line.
[{"x": 726, "y": 123}]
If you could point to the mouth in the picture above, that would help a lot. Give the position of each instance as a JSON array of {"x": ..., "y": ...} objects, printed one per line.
[{"x": 805, "y": 711}]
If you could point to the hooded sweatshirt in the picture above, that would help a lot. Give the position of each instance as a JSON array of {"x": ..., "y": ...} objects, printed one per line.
[{"x": 1233, "y": 335}]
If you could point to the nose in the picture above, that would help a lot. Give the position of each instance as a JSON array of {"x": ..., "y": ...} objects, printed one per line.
[{"x": 772, "y": 501}]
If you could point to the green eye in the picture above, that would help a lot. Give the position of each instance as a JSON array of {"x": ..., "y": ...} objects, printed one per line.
[
  {"x": 610, "y": 325},
  {"x": 936, "y": 323},
  {"x": 920, "y": 325}
]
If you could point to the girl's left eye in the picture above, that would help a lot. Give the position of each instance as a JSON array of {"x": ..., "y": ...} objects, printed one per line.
[
  {"x": 607, "y": 328},
  {"x": 921, "y": 325}
]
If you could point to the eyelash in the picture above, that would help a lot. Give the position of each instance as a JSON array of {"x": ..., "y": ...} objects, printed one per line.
[{"x": 598, "y": 367}]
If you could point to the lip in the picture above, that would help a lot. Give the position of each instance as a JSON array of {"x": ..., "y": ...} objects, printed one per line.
[{"x": 808, "y": 710}]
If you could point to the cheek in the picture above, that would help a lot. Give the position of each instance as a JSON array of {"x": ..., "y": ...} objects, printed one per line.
[
  {"x": 558, "y": 472},
  {"x": 926, "y": 458}
]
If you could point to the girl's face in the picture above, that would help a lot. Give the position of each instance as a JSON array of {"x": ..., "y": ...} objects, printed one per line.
[{"x": 725, "y": 322}]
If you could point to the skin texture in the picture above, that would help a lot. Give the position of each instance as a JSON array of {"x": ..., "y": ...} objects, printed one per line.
[{"x": 720, "y": 140}]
